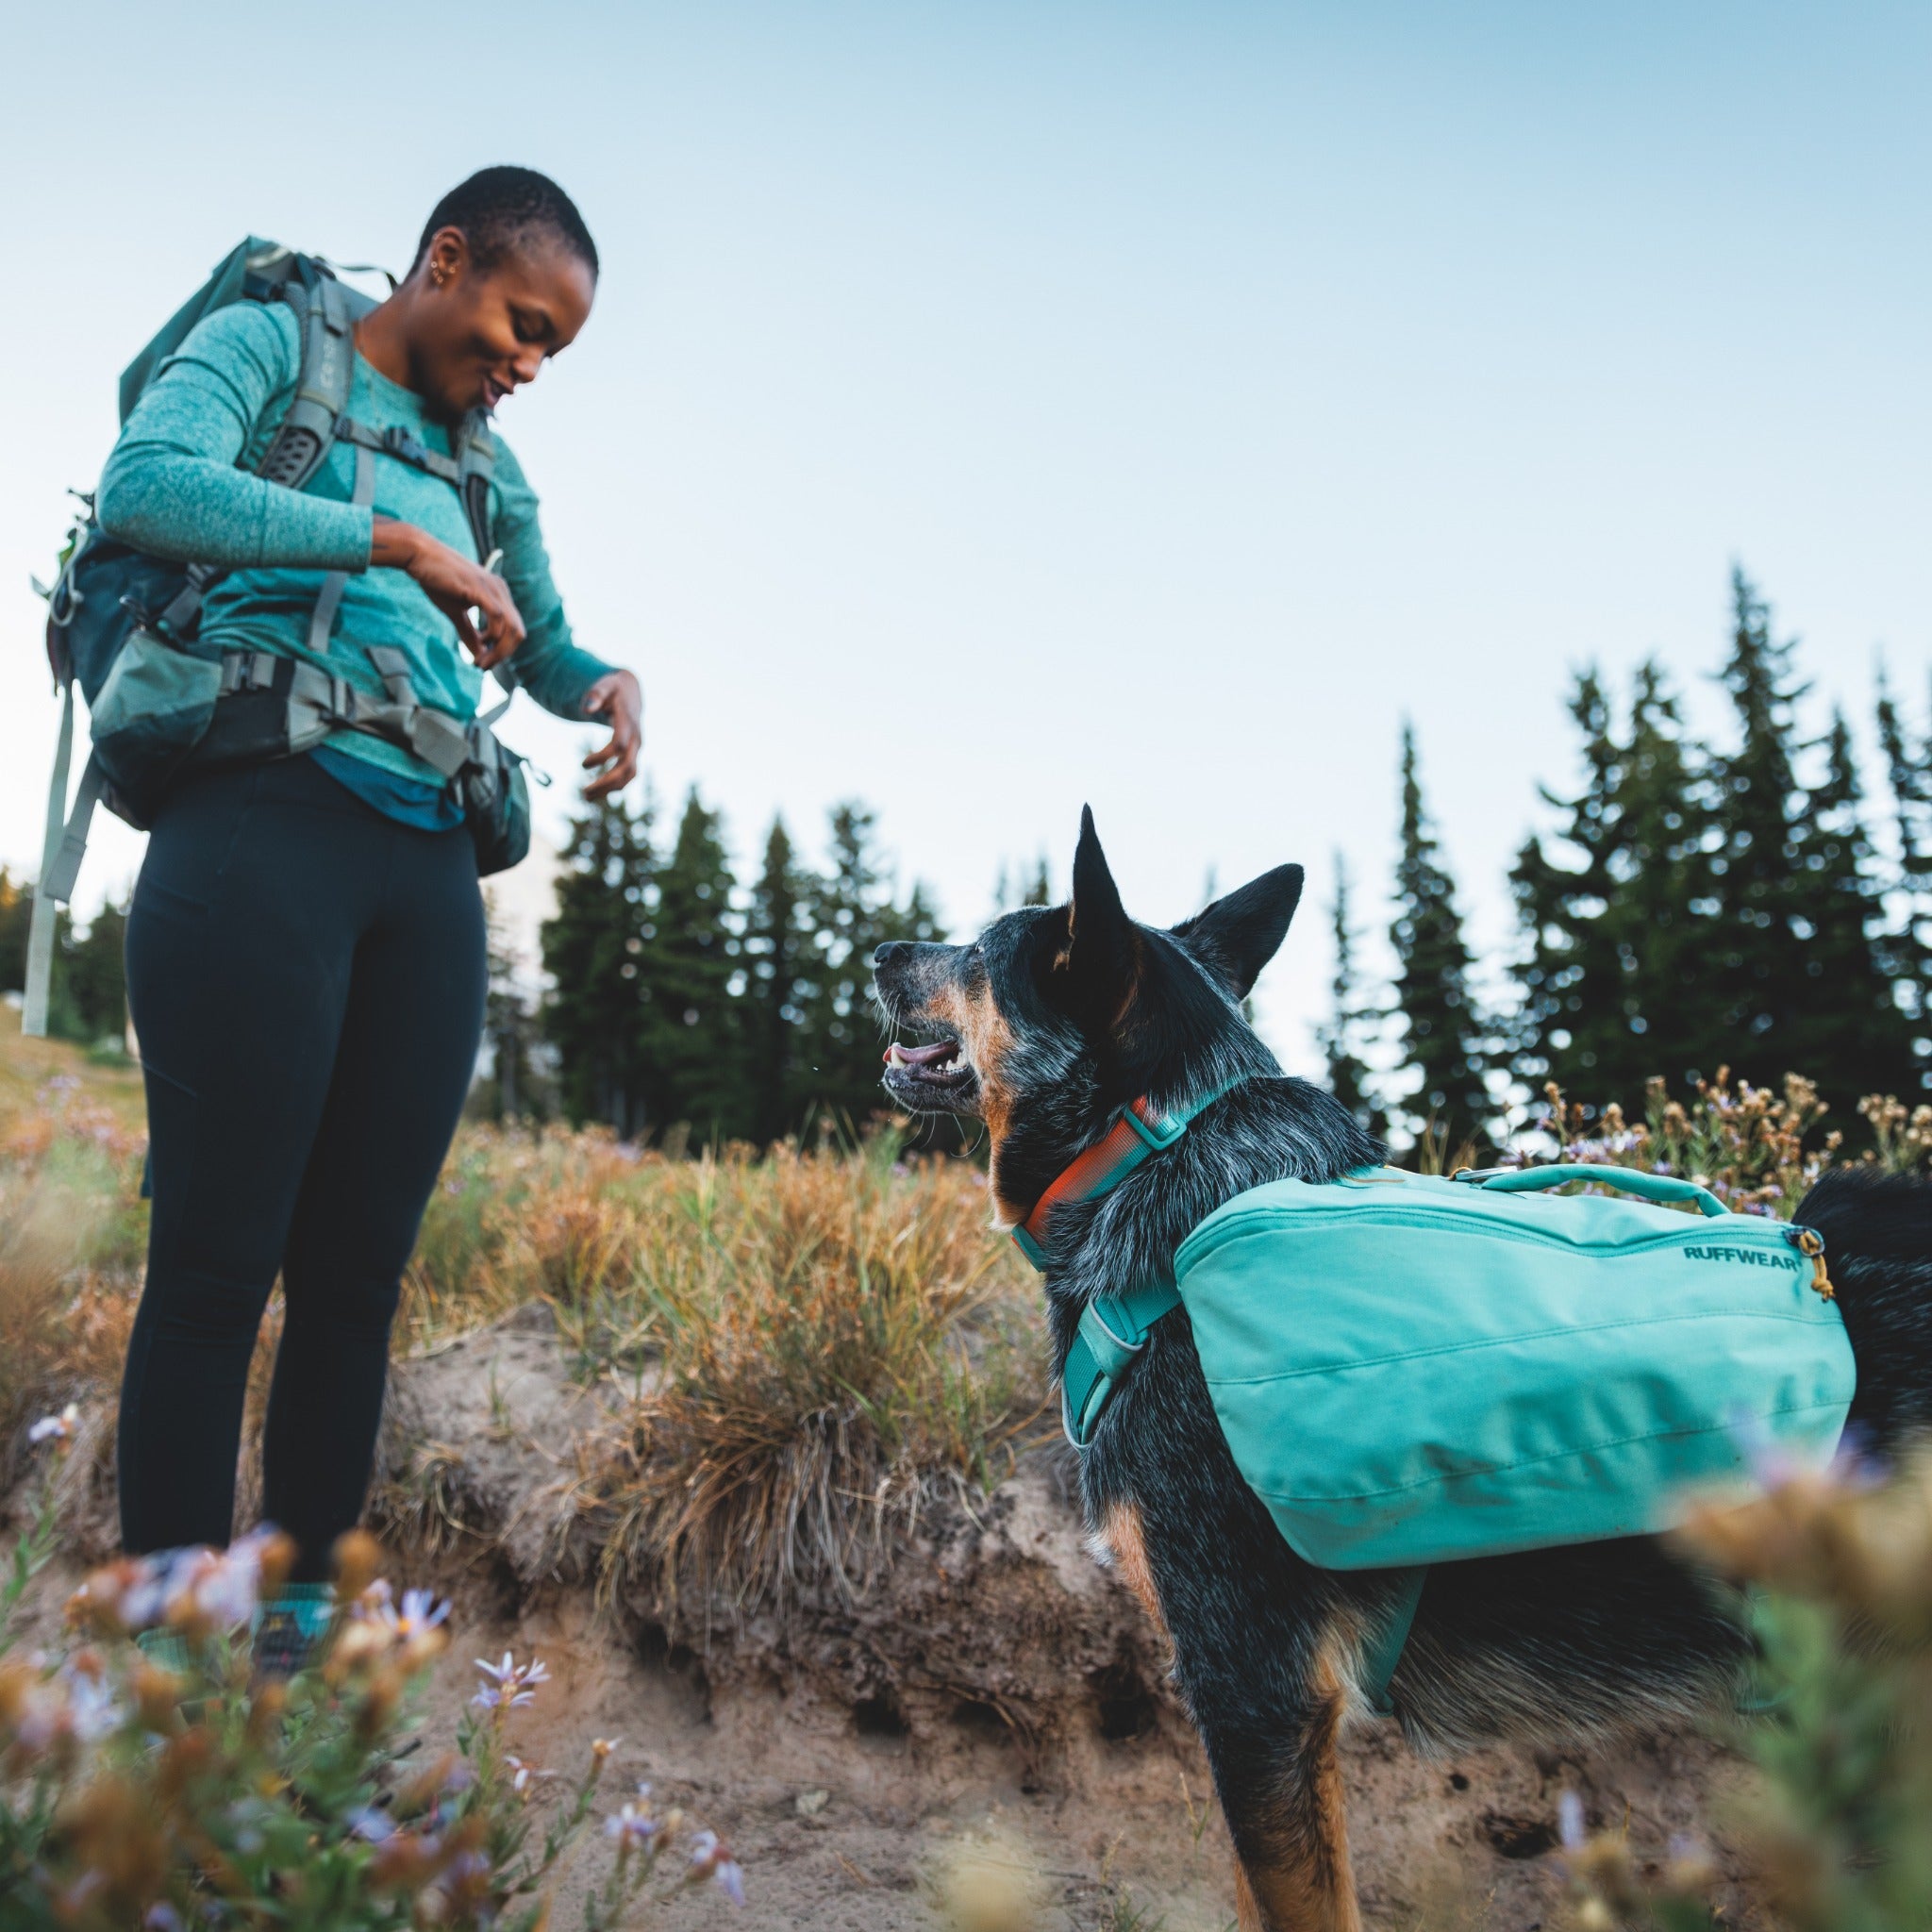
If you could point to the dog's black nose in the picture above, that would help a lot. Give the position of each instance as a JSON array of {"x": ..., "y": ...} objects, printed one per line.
[{"x": 890, "y": 953}]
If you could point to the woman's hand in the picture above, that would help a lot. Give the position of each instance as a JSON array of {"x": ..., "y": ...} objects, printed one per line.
[
  {"x": 615, "y": 696},
  {"x": 455, "y": 585}
]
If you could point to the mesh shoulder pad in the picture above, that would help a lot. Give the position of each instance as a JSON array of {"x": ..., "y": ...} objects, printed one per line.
[{"x": 324, "y": 316}]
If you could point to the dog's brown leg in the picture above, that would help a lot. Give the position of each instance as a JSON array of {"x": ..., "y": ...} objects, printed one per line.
[{"x": 1283, "y": 1802}]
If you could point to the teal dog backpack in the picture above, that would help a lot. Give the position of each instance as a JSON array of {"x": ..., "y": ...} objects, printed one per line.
[{"x": 1410, "y": 1369}]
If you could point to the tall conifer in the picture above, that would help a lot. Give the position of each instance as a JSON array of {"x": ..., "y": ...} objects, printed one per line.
[
  {"x": 1755, "y": 969},
  {"x": 1848, "y": 1023},
  {"x": 1615, "y": 976},
  {"x": 1348, "y": 1076},
  {"x": 1908, "y": 769},
  {"x": 591, "y": 948},
  {"x": 778, "y": 957},
  {"x": 1800, "y": 967},
  {"x": 691, "y": 974},
  {"x": 1445, "y": 1050}
]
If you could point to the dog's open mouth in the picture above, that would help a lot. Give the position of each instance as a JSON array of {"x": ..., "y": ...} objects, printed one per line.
[{"x": 937, "y": 1076}]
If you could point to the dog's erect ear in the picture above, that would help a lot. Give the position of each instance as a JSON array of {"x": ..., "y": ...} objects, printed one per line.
[
  {"x": 1237, "y": 936},
  {"x": 1096, "y": 965}
]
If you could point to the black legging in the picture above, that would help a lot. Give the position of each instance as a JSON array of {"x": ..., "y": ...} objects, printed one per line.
[{"x": 306, "y": 979}]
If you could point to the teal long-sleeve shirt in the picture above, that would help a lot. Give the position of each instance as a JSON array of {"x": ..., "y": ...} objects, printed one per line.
[{"x": 173, "y": 487}]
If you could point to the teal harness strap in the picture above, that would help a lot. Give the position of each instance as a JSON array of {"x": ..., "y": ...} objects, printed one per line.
[
  {"x": 1112, "y": 1331},
  {"x": 1113, "y": 1327},
  {"x": 1383, "y": 1652}
]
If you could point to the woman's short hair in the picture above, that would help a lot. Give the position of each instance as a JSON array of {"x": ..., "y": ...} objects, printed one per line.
[{"x": 501, "y": 209}]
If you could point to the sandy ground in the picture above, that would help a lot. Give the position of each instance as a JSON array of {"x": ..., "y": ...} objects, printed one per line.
[
  {"x": 840, "y": 1826},
  {"x": 995, "y": 1700},
  {"x": 998, "y": 1698}
]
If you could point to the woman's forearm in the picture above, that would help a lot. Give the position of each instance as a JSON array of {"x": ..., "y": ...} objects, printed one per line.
[{"x": 192, "y": 509}]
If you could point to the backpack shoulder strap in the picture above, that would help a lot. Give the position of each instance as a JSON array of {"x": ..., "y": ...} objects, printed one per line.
[
  {"x": 326, "y": 316},
  {"x": 475, "y": 471}
]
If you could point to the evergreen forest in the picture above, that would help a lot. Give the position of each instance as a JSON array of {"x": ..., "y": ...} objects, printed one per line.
[{"x": 1751, "y": 899}]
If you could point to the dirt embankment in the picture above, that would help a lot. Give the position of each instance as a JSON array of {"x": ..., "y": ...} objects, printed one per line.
[
  {"x": 993, "y": 1695},
  {"x": 992, "y": 1685}
]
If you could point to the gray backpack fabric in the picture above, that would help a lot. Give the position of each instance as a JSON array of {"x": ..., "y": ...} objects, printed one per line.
[{"x": 123, "y": 624}]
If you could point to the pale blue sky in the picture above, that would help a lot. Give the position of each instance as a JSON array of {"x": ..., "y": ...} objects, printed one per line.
[{"x": 993, "y": 408}]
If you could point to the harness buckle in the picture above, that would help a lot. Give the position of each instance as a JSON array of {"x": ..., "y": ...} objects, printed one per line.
[{"x": 1161, "y": 1138}]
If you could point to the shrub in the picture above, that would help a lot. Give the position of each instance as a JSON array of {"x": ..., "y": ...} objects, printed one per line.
[
  {"x": 1753, "y": 1147},
  {"x": 171, "y": 1788},
  {"x": 1840, "y": 1567}
]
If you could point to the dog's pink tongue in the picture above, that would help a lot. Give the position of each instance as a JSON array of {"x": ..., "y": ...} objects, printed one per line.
[{"x": 897, "y": 1055}]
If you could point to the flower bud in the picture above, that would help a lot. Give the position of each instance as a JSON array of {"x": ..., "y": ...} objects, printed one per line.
[{"x": 358, "y": 1556}]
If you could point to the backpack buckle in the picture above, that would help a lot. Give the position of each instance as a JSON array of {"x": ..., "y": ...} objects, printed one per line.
[
  {"x": 1159, "y": 1136},
  {"x": 398, "y": 441}
]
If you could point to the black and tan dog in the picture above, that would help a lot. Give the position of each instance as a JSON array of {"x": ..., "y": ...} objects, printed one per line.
[{"x": 1047, "y": 1028}]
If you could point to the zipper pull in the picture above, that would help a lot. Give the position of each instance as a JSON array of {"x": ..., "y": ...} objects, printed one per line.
[{"x": 1810, "y": 1243}]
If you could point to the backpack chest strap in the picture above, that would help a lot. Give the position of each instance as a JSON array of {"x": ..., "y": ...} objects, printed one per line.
[{"x": 399, "y": 442}]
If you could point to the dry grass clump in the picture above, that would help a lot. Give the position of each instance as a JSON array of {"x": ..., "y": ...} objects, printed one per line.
[
  {"x": 803, "y": 1342},
  {"x": 71, "y": 1232},
  {"x": 834, "y": 1334}
]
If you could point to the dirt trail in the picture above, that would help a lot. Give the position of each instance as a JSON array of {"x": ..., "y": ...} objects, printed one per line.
[
  {"x": 994, "y": 1688},
  {"x": 995, "y": 1694},
  {"x": 840, "y": 1827}
]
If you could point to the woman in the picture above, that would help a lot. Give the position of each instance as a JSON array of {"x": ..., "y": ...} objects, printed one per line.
[{"x": 306, "y": 946}]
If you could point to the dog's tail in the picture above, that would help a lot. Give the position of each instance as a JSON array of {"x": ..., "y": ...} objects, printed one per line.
[{"x": 1878, "y": 1230}]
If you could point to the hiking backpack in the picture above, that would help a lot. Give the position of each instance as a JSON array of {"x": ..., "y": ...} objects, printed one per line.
[{"x": 123, "y": 624}]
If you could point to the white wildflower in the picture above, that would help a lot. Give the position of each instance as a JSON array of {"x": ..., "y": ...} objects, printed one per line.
[
  {"x": 57, "y": 1428},
  {"x": 510, "y": 1685},
  {"x": 710, "y": 1857}
]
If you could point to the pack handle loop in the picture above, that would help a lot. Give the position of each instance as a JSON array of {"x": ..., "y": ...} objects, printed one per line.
[{"x": 1649, "y": 1187}]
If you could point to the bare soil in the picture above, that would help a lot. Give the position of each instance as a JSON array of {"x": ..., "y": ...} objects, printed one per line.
[
  {"x": 994, "y": 1697},
  {"x": 993, "y": 1701}
]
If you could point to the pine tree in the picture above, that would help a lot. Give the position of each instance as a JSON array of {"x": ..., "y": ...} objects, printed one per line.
[
  {"x": 1754, "y": 968},
  {"x": 1802, "y": 974},
  {"x": 1442, "y": 1036},
  {"x": 1348, "y": 1076},
  {"x": 779, "y": 959},
  {"x": 1572, "y": 973},
  {"x": 1909, "y": 768},
  {"x": 853, "y": 912},
  {"x": 1851, "y": 1028},
  {"x": 16, "y": 913},
  {"x": 591, "y": 948},
  {"x": 1614, "y": 982},
  {"x": 690, "y": 980}
]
